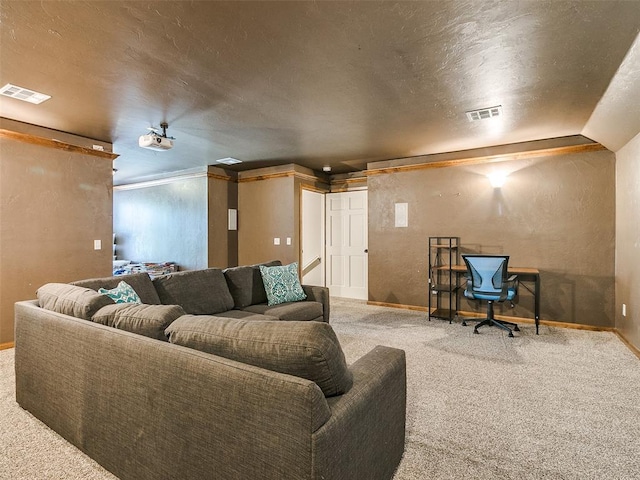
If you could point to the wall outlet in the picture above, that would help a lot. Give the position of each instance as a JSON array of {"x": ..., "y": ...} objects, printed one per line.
[
  {"x": 276, "y": 241},
  {"x": 97, "y": 244},
  {"x": 624, "y": 309}
]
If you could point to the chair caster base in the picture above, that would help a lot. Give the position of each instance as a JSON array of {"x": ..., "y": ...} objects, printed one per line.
[
  {"x": 511, "y": 334},
  {"x": 464, "y": 324},
  {"x": 476, "y": 332},
  {"x": 516, "y": 329}
]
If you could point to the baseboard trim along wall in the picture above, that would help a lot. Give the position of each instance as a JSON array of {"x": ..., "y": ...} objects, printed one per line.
[
  {"x": 6, "y": 346},
  {"x": 549, "y": 323},
  {"x": 631, "y": 346}
]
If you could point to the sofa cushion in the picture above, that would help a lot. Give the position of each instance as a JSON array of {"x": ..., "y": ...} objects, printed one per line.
[
  {"x": 296, "y": 311},
  {"x": 140, "y": 282},
  {"x": 198, "y": 292},
  {"x": 246, "y": 315},
  {"x": 71, "y": 300},
  {"x": 304, "y": 349},
  {"x": 123, "y": 293},
  {"x": 282, "y": 284},
  {"x": 245, "y": 284},
  {"x": 148, "y": 320}
]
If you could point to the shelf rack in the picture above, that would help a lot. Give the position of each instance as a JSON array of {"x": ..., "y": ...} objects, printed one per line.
[{"x": 443, "y": 298}]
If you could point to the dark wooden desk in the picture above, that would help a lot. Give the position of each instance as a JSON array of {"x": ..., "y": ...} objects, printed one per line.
[{"x": 526, "y": 272}]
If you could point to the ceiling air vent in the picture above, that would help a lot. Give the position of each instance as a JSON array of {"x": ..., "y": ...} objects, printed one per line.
[
  {"x": 484, "y": 113},
  {"x": 229, "y": 161},
  {"x": 23, "y": 94}
]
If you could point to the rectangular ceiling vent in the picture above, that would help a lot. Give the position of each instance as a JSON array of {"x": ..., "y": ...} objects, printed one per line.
[
  {"x": 24, "y": 94},
  {"x": 484, "y": 113},
  {"x": 229, "y": 161}
]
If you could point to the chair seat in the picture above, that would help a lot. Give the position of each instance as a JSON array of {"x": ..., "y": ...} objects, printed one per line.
[{"x": 511, "y": 293}]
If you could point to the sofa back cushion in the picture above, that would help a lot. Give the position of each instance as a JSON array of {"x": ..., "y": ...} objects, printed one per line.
[
  {"x": 148, "y": 320},
  {"x": 198, "y": 292},
  {"x": 304, "y": 349},
  {"x": 79, "y": 302},
  {"x": 140, "y": 282},
  {"x": 245, "y": 284}
]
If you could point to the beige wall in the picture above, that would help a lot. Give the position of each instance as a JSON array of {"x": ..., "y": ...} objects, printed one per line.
[
  {"x": 554, "y": 213},
  {"x": 269, "y": 201},
  {"x": 53, "y": 205},
  {"x": 177, "y": 219},
  {"x": 162, "y": 223},
  {"x": 628, "y": 240},
  {"x": 223, "y": 243},
  {"x": 266, "y": 211}
]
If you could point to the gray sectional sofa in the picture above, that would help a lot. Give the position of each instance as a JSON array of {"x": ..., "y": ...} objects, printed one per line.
[{"x": 205, "y": 380}]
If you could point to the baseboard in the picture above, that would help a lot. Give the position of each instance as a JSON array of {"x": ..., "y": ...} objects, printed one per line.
[
  {"x": 397, "y": 305},
  {"x": 469, "y": 314},
  {"x": 629, "y": 345},
  {"x": 5, "y": 346},
  {"x": 548, "y": 323}
]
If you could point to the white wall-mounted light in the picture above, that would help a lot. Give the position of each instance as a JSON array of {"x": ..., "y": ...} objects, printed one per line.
[{"x": 497, "y": 179}]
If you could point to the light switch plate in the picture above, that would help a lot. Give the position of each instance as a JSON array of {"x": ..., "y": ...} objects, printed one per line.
[
  {"x": 276, "y": 241},
  {"x": 97, "y": 244},
  {"x": 288, "y": 240}
]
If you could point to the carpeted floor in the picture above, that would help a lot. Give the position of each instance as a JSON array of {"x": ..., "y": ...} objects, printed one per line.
[{"x": 561, "y": 405}]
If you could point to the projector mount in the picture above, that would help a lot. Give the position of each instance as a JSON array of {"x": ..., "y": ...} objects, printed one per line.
[{"x": 164, "y": 126}]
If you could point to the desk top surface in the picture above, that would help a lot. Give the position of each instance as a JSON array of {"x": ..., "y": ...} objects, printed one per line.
[{"x": 514, "y": 270}]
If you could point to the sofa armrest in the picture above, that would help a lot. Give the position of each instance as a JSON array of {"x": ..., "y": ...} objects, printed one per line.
[
  {"x": 316, "y": 293},
  {"x": 368, "y": 421}
]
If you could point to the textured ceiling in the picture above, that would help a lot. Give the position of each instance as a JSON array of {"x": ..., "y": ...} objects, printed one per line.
[{"x": 313, "y": 83}]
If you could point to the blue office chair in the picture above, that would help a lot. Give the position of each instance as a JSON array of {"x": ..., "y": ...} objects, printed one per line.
[{"x": 487, "y": 280}]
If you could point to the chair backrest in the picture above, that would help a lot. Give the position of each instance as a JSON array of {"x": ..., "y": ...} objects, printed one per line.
[{"x": 488, "y": 272}]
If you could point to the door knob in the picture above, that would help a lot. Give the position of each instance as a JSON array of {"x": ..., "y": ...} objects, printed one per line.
[{"x": 366, "y": 250}]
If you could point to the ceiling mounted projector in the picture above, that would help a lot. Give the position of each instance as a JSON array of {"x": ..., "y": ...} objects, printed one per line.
[{"x": 156, "y": 141}]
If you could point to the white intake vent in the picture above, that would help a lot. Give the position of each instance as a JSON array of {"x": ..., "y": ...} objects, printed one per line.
[
  {"x": 484, "y": 113},
  {"x": 229, "y": 161},
  {"x": 24, "y": 94}
]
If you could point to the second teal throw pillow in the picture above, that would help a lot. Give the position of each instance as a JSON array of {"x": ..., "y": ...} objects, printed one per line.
[
  {"x": 282, "y": 284},
  {"x": 123, "y": 293}
]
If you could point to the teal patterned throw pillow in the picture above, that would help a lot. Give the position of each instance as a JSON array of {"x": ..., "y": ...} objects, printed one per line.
[
  {"x": 123, "y": 293},
  {"x": 282, "y": 284}
]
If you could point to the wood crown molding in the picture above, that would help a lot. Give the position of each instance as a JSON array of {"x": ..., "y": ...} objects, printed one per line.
[
  {"x": 290, "y": 173},
  {"x": 503, "y": 157},
  {"x": 348, "y": 184},
  {"x": 226, "y": 178},
  {"x": 174, "y": 178},
  {"x": 51, "y": 143},
  {"x": 313, "y": 188}
]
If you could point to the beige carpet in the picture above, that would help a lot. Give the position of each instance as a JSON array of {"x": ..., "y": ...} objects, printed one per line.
[{"x": 561, "y": 405}]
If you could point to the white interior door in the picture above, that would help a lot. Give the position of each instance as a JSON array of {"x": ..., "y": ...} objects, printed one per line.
[
  {"x": 347, "y": 243},
  {"x": 312, "y": 232}
]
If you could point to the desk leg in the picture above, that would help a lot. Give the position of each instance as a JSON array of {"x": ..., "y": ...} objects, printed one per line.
[{"x": 537, "y": 302}]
